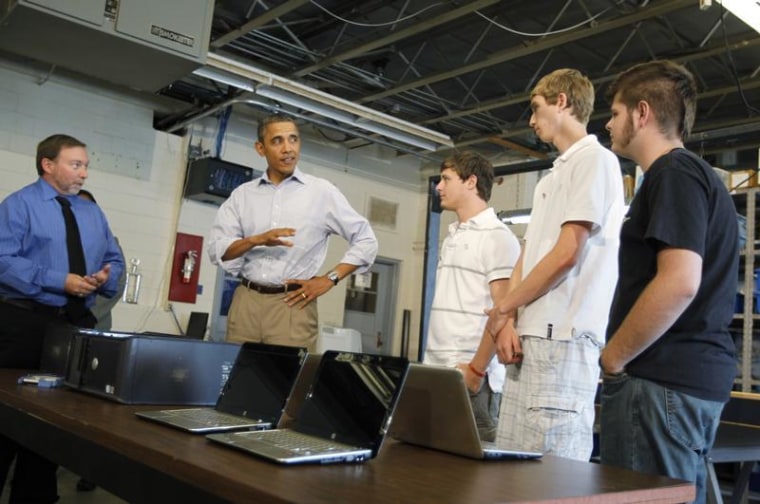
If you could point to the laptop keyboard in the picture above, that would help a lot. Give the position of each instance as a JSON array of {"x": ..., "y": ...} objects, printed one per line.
[
  {"x": 211, "y": 417},
  {"x": 297, "y": 442}
]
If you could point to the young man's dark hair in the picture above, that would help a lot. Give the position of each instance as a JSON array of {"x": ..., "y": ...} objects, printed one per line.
[
  {"x": 667, "y": 86},
  {"x": 469, "y": 163}
]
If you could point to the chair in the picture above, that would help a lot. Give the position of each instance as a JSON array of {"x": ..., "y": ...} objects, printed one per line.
[{"x": 737, "y": 441}]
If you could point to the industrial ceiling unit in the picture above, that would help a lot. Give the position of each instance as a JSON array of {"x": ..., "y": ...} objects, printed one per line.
[{"x": 141, "y": 44}]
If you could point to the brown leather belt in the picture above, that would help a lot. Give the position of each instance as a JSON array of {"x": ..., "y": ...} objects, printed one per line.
[{"x": 269, "y": 289}]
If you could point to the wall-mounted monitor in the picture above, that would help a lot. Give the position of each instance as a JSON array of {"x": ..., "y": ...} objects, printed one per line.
[{"x": 211, "y": 180}]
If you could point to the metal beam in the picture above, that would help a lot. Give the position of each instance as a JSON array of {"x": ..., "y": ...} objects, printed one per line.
[
  {"x": 721, "y": 129},
  {"x": 509, "y": 144},
  {"x": 486, "y": 106},
  {"x": 399, "y": 35},
  {"x": 706, "y": 128},
  {"x": 268, "y": 16},
  {"x": 658, "y": 9}
]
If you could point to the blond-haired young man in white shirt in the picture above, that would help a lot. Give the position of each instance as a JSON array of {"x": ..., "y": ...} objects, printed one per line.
[{"x": 563, "y": 282}]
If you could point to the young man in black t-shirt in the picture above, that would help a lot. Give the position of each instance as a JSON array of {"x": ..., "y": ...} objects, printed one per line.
[{"x": 669, "y": 363}]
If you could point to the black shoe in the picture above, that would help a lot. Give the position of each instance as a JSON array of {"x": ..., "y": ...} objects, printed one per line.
[{"x": 85, "y": 486}]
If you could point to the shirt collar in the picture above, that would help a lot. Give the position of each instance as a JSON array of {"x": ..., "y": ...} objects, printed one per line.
[
  {"x": 478, "y": 221},
  {"x": 584, "y": 142},
  {"x": 48, "y": 192},
  {"x": 298, "y": 176}
]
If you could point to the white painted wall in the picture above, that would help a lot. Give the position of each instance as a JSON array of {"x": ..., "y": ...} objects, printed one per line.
[{"x": 142, "y": 197}]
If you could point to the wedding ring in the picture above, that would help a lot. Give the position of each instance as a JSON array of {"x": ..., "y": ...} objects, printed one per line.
[{"x": 303, "y": 295}]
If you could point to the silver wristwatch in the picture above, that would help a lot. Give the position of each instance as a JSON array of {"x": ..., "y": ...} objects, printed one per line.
[{"x": 333, "y": 277}]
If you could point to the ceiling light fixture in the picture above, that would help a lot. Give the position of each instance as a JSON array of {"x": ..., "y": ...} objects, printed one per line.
[
  {"x": 243, "y": 76},
  {"x": 340, "y": 116},
  {"x": 224, "y": 77},
  {"x": 746, "y": 10},
  {"x": 281, "y": 96},
  {"x": 519, "y": 216},
  {"x": 275, "y": 108}
]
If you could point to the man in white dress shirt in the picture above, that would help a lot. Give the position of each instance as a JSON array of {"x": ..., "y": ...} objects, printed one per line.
[{"x": 273, "y": 231}]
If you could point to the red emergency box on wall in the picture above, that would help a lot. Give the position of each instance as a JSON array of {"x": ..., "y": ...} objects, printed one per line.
[{"x": 183, "y": 286}]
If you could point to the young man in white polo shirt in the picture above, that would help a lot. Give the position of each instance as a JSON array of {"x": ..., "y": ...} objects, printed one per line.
[
  {"x": 563, "y": 282},
  {"x": 476, "y": 261}
]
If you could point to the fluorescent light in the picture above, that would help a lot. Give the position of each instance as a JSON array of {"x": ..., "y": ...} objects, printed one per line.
[
  {"x": 397, "y": 135},
  {"x": 308, "y": 98},
  {"x": 315, "y": 107},
  {"x": 746, "y": 10},
  {"x": 224, "y": 77},
  {"x": 519, "y": 216},
  {"x": 303, "y": 103},
  {"x": 522, "y": 215}
]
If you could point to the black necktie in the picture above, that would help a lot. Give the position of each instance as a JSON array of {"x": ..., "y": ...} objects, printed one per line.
[
  {"x": 73, "y": 241},
  {"x": 75, "y": 306}
]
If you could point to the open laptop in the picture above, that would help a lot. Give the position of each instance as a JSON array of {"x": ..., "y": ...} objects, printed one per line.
[
  {"x": 343, "y": 418},
  {"x": 434, "y": 411},
  {"x": 254, "y": 396}
]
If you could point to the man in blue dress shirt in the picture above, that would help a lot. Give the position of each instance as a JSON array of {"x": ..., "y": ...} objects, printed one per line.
[{"x": 38, "y": 287}]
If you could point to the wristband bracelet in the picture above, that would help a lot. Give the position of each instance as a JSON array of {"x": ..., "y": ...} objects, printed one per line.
[{"x": 477, "y": 373}]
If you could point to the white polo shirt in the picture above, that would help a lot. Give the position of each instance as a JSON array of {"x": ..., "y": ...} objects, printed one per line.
[
  {"x": 474, "y": 254},
  {"x": 584, "y": 184}
]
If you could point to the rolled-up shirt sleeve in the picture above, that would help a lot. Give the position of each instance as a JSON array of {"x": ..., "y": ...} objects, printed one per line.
[
  {"x": 356, "y": 230},
  {"x": 224, "y": 232}
]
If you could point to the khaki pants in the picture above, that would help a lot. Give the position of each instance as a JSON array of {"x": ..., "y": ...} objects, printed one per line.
[{"x": 265, "y": 318}]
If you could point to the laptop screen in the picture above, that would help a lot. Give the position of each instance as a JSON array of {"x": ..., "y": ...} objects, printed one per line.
[
  {"x": 353, "y": 397},
  {"x": 261, "y": 380}
]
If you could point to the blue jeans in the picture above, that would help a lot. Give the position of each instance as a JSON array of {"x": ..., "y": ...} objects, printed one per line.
[
  {"x": 649, "y": 428},
  {"x": 485, "y": 407}
]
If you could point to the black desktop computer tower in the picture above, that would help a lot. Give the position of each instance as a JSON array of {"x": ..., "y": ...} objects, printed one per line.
[
  {"x": 56, "y": 348},
  {"x": 141, "y": 369}
]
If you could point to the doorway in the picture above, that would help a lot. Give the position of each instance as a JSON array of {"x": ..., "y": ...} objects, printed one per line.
[{"x": 370, "y": 306}]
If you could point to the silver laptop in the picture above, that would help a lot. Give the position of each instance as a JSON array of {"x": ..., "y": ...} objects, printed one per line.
[
  {"x": 254, "y": 396},
  {"x": 434, "y": 411},
  {"x": 343, "y": 418}
]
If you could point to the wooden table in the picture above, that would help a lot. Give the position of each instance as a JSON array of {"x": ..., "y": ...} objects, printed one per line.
[{"x": 144, "y": 462}]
